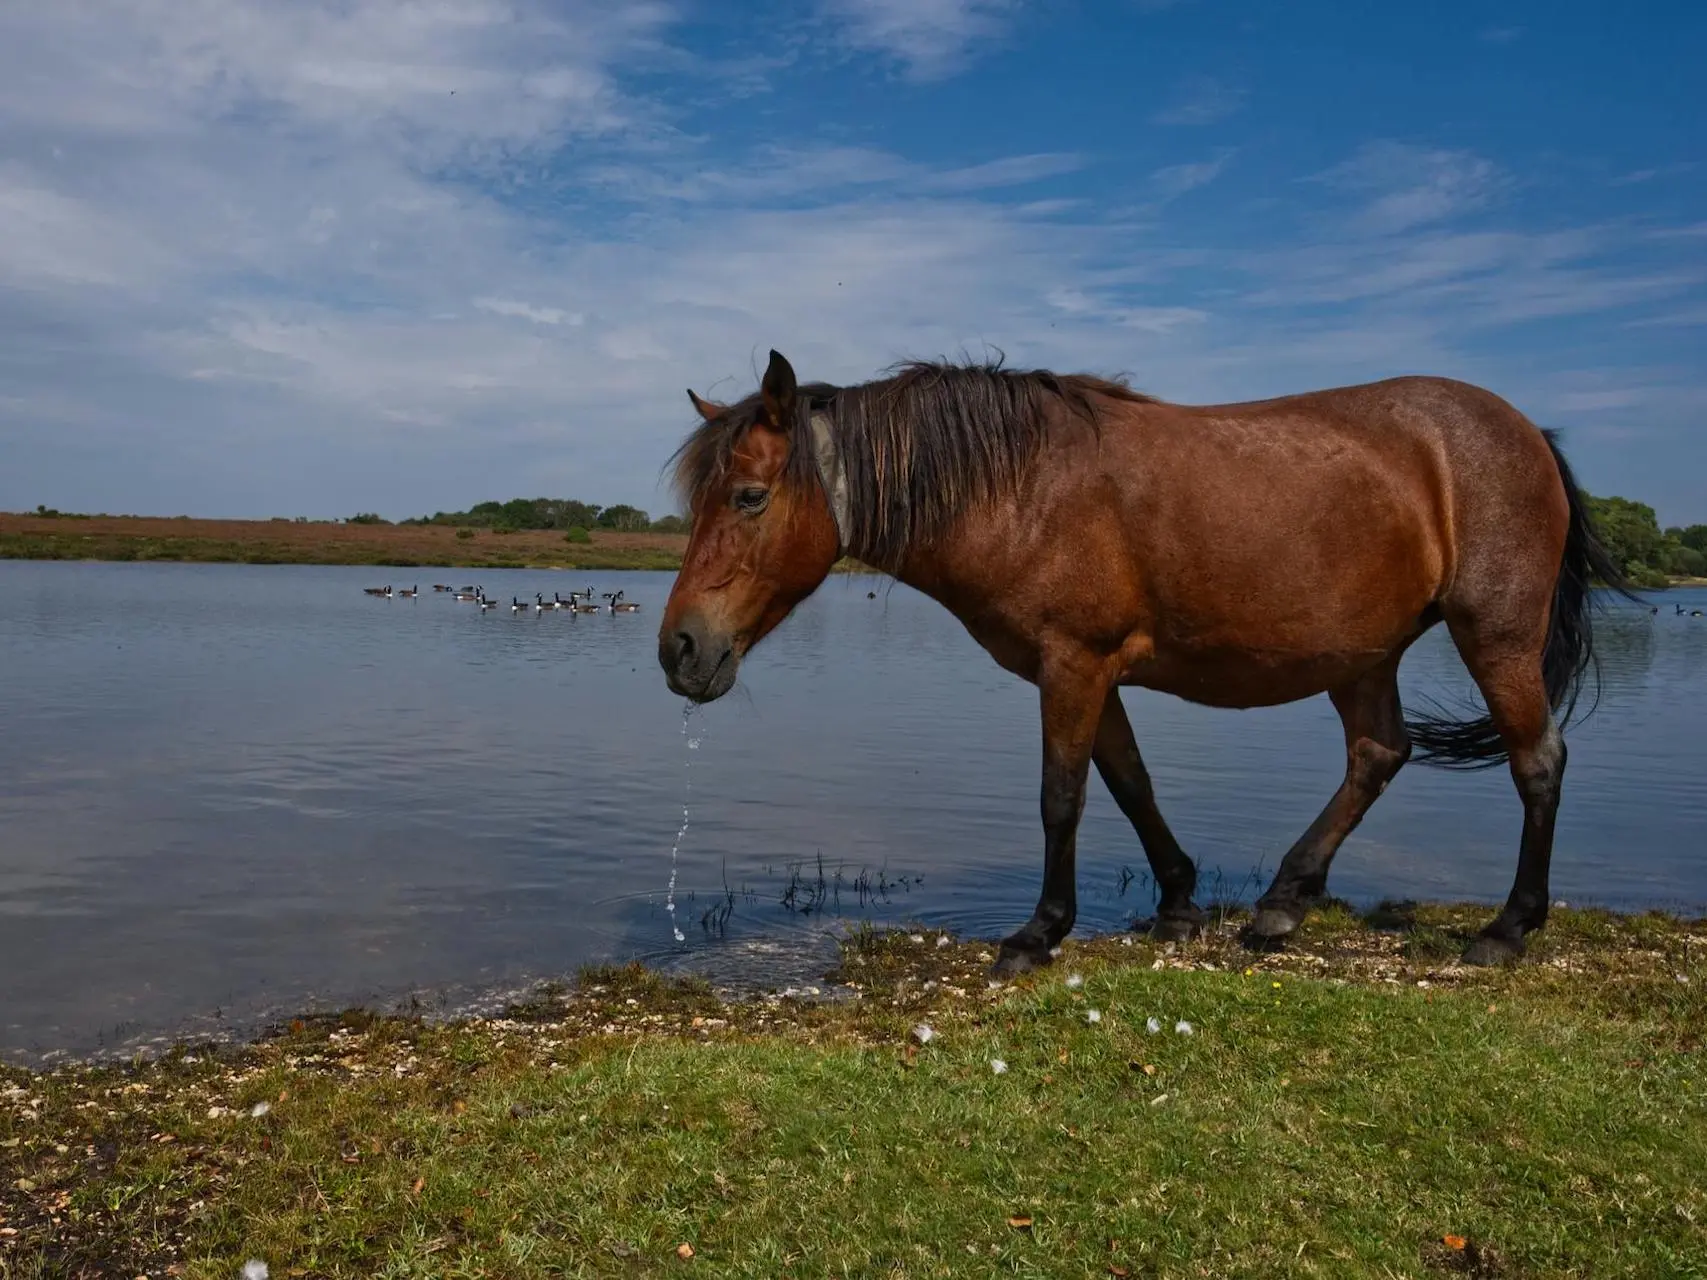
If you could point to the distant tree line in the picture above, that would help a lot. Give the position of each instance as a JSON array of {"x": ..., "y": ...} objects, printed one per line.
[
  {"x": 1632, "y": 533},
  {"x": 1630, "y": 530},
  {"x": 567, "y": 514}
]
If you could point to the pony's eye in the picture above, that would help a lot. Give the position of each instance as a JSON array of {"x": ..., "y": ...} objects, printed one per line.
[{"x": 752, "y": 500}]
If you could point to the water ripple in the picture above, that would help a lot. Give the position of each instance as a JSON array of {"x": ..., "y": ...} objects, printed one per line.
[{"x": 236, "y": 788}]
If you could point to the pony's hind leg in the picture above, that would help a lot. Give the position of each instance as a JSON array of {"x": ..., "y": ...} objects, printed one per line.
[
  {"x": 1376, "y": 747},
  {"x": 1122, "y": 769},
  {"x": 1513, "y": 688}
]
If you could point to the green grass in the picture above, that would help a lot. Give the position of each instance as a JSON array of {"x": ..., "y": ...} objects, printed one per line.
[{"x": 1340, "y": 1110}]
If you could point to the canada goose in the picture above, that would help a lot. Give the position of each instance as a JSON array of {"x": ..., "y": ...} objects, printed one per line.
[
  {"x": 581, "y": 606},
  {"x": 386, "y": 591},
  {"x": 412, "y": 592},
  {"x": 541, "y": 604},
  {"x": 516, "y": 605},
  {"x": 439, "y": 586},
  {"x": 486, "y": 606},
  {"x": 473, "y": 595},
  {"x": 619, "y": 605}
]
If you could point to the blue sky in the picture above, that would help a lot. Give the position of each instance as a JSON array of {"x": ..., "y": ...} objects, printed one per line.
[{"x": 262, "y": 259}]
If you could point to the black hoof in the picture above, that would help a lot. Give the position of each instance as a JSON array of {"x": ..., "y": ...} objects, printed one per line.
[
  {"x": 1175, "y": 928},
  {"x": 1487, "y": 951},
  {"x": 1014, "y": 960},
  {"x": 1271, "y": 924}
]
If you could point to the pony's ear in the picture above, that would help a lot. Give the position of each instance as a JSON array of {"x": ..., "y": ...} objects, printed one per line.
[
  {"x": 707, "y": 409},
  {"x": 778, "y": 391}
]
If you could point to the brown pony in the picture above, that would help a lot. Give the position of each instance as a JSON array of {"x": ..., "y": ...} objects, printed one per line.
[{"x": 1237, "y": 555}]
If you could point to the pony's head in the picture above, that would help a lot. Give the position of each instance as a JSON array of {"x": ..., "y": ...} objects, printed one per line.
[{"x": 763, "y": 538}]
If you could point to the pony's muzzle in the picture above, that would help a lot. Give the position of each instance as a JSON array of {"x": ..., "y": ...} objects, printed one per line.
[{"x": 697, "y": 663}]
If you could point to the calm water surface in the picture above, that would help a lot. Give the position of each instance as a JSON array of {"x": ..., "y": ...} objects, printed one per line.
[{"x": 234, "y": 791}]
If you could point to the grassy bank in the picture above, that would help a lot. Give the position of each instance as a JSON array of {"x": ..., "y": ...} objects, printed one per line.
[{"x": 1356, "y": 1106}]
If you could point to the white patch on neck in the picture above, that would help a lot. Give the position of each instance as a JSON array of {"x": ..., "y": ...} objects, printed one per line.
[{"x": 834, "y": 478}]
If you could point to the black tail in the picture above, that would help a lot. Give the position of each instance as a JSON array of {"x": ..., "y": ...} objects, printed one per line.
[{"x": 1567, "y": 660}]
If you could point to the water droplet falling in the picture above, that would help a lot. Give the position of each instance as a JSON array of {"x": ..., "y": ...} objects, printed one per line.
[{"x": 687, "y": 801}]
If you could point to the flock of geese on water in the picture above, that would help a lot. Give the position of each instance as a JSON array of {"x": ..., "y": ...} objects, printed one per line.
[
  {"x": 578, "y": 601},
  {"x": 582, "y": 601}
]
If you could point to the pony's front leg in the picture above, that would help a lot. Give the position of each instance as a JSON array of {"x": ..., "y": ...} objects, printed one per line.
[{"x": 1072, "y": 697}]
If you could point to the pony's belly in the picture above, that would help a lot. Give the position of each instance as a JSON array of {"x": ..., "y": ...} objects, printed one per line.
[{"x": 1239, "y": 679}]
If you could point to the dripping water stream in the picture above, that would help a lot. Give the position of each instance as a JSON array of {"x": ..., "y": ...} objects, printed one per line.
[{"x": 692, "y": 744}]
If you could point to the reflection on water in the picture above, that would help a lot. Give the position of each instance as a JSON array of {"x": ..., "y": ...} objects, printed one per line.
[{"x": 225, "y": 789}]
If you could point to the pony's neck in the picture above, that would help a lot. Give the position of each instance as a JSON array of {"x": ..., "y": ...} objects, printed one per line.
[{"x": 937, "y": 568}]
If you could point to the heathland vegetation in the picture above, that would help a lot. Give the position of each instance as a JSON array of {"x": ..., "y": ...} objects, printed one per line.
[
  {"x": 49, "y": 536},
  {"x": 567, "y": 514}
]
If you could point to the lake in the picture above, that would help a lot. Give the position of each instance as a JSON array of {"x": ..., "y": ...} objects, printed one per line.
[{"x": 235, "y": 792}]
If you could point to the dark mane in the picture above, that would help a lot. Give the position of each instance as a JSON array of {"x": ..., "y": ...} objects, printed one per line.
[{"x": 919, "y": 447}]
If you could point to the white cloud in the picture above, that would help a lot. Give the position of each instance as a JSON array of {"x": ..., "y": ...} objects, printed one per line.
[
  {"x": 1201, "y": 100},
  {"x": 1637, "y": 176},
  {"x": 50, "y": 237},
  {"x": 1685, "y": 318},
  {"x": 253, "y": 261},
  {"x": 1595, "y": 401},
  {"x": 775, "y": 173},
  {"x": 1408, "y": 186},
  {"x": 527, "y": 311},
  {"x": 438, "y": 79},
  {"x": 1175, "y": 180},
  {"x": 1010, "y": 171},
  {"x": 929, "y": 38},
  {"x": 1691, "y": 231}
]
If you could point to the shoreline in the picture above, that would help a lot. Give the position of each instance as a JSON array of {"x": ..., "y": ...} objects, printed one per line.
[
  {"x": 600, "y": 1127},
  {"x": 190, "y": 540}
]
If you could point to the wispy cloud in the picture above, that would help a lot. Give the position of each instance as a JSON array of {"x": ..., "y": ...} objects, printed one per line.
[
  {"x": 1690, "y": 231},
  {"x": 1637, "y": 176},
  {"x": 1599, "y": 401},
  {"x": 1011, "y": 171},
  {"x": 1201, "y": 100},
  {"x": 928, "y": 38},
  {"x": 1175, "y": 180},
  {"x": 438, "y": 81},
  {"x": 1407, "y": 186},
  {"x": 1685, "y": 318},
  {"x": 818, "y": 173},
  {"x": 366, "y": 254},
  {"x": 527, "y": 311}
]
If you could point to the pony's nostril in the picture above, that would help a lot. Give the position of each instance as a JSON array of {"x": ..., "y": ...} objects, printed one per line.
[{"x": 684, "y": 646}]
